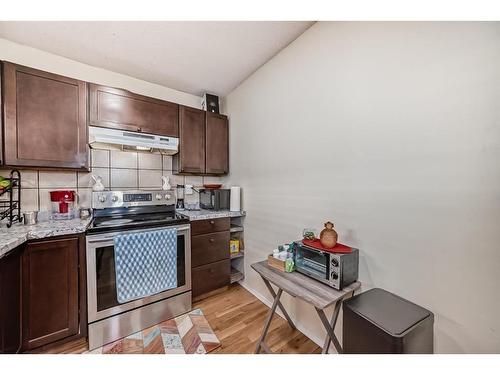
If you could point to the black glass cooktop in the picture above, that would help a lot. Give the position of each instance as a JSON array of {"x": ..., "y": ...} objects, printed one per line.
[{"x": 115, "y": 220}]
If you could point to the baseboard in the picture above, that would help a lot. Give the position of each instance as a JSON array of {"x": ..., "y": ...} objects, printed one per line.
[{"x": 268, "y": 302}]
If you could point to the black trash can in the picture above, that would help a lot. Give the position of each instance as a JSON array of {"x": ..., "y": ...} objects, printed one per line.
[{"x": 378, "y": 322}]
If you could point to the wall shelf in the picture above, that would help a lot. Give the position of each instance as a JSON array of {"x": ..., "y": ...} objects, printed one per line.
[
  {"x": 236, "y": 275},
  {"x": 237, "y": 259},
  {"x": 236, "y": 228},
  {"x": 237, "y": 255}
]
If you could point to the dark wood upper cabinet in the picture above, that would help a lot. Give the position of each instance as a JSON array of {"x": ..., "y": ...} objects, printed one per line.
[
  {"x": 217, "y": 144},
  {"x": 203, "y": 143},
  {"x": 191, "y": 156},
  {"x": 1, "y": 113},
  {"x": 53, "y": 291},
  {"x": 45, "y": 119},
  {"x": 122, "y": 109}
]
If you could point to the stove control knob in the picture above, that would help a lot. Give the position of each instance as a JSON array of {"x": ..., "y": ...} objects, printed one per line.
[
  {"x": 168, "y": 196},
  {"x": 335, "y": 262},
  {"x": 102, "y": 198},
  {"x": 334, "y": 275},
  {"x": 114, "y": 198},
  {"x": 159, "y": 196}
]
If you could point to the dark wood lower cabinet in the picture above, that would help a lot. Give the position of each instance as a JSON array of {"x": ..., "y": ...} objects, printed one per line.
[
  {"x": 210, "y": 226},
  {"x": 208, "y": 248},
  {"x": 53, "y": 291},
  {"x": 10, "y": 301},
  {"x": 210, "y": 277},
  {"x": 210, "y": 261}
]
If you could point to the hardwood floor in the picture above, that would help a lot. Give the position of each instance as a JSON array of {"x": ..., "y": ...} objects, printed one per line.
[{"x": 237, "y": 318}]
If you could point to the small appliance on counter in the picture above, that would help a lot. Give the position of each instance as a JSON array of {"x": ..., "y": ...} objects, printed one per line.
[
  {"x": 63, "y": 204},
  {"x": 180, "y": 197},
  {"x": 235, "y": 199},
  {"x": 215, "y": 199},
  {"x": 337, "y": 267}
]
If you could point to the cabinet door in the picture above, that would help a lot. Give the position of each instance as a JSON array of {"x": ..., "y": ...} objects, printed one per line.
[
  {"x": 209, "y": 248},
  {"x": 1, "y": 114},
  {"x": 50, "y": 291},
  {"x": 217, "y": 144},
  {"x": 210, "y": 226},
  {"x": 210, "y": 277},
  {"x": 10, "y": 302},
  {"x": 45, "y": 123},
  {"x": 191, "y": 156},
  {"x": 122, "y": 109}
]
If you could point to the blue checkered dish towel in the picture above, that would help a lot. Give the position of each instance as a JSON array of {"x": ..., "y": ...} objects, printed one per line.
[{"x": 145, "y": 263}]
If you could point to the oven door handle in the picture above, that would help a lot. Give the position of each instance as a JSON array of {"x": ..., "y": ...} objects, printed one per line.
[{"x": 103, "y": 239}]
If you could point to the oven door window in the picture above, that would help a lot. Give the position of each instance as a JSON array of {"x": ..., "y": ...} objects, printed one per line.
[
  {"x": 314, "y": 262},
  {"x": 106, "y": 277}
]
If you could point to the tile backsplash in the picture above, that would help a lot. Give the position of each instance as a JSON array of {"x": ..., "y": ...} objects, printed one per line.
[{"x": 119, "y": 171}]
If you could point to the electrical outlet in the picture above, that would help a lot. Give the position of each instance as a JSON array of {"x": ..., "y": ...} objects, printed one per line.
[{"x": 188, "y": 189}]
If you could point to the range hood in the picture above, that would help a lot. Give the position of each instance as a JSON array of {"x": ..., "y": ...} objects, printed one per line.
[{"x": 114, "y": 139}]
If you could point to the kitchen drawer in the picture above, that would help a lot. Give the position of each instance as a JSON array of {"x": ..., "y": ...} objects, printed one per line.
[
  {"x": 210, "y": 277},
  {"x": 209, "y": 226},
  {"x": 209, "y": 248}
]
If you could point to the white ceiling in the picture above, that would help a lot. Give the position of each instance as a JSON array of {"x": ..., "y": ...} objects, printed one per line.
[{"x": 194, "y": 57}]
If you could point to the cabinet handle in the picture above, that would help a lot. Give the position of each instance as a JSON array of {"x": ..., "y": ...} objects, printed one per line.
[
  {"x": 211, "y": 240},
  {"x": 212, "y": 222}
]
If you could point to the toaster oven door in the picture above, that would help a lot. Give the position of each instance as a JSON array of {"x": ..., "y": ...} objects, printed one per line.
[{"x": 313, "y": 263}]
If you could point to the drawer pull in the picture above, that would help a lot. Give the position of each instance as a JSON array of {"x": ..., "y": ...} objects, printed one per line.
[
  {"x": 212, "y": 222},
  {"x": 212, "y": 240}
]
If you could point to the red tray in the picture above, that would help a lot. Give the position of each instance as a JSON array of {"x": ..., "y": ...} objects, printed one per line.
[
  {"x": 212, "y": 186},
  {"x": 338, "y": 248}
]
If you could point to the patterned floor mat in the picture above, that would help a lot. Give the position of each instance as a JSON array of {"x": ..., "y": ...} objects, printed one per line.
[{"x": 187, "y": 334}]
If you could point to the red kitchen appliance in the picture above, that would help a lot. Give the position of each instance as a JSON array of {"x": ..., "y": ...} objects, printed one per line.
[{"x": 63, "y": 204}]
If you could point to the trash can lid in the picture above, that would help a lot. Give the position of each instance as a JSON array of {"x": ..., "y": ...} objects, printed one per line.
[{"x": 388, "y": 311}]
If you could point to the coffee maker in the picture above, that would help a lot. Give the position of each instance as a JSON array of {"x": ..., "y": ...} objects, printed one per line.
[{"x": 63, "y": 204}]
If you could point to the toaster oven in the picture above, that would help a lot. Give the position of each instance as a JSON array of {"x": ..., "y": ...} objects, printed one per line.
[{"x": 334, "y": 269}]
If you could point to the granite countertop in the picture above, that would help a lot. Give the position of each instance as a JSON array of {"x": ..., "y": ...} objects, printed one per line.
[
  {"x": 19, "y": 233},
  {"x": 208, "y": 214}
]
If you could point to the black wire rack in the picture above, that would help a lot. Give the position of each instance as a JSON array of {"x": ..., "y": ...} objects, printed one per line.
[{"x": 10, "y": 208}]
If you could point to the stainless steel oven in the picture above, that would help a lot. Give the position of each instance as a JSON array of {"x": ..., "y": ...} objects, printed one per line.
[{"x": 108, "y": 319}]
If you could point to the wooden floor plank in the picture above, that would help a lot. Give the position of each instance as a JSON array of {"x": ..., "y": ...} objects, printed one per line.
[{"x": 237, "y": 318}]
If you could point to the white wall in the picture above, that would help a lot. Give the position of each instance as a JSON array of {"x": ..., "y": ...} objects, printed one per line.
[
  {"x": 391, "y": 131},
  {"x": 24, "y": 55}
]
